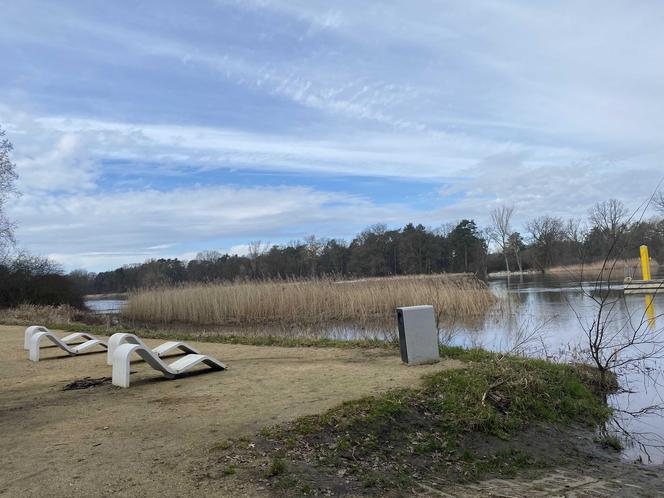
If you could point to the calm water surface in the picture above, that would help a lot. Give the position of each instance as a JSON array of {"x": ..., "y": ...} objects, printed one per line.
[
  {"x": 555, "y": 312},
  {"x": 105, "y": 306}
]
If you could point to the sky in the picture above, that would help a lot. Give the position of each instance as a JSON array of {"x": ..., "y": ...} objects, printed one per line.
[{"x": 152, "y": 129}]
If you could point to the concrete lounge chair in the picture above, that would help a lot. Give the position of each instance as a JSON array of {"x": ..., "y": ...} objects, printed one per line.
[
  {"x": 122, "y": 360},
  {"x": 162, "y": 350},
  {"x": 36, "y": 338},
  {"x": 33, "y": 329}
]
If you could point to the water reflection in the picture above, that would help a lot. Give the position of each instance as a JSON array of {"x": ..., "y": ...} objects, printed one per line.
[{"x": 650, "y": 311}]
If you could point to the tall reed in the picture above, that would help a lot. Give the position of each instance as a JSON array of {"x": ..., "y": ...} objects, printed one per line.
[{"x": 307, "y": 302}]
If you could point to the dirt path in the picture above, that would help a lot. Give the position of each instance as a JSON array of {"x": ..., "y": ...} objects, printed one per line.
[
  {"x": 605, "y": 481},
  {"x": 153, "y": 438}
]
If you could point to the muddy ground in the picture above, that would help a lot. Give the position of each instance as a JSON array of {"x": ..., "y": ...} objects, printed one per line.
[{"x": 156, "y": 437}]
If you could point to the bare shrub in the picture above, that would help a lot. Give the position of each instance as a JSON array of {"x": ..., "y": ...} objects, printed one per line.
[{"x": 30, "y": 314}]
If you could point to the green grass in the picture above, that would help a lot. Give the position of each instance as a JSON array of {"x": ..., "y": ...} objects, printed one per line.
[
  {"x": 610, "y": 441},
  {"x": 276, "y": 468},
  {"x": 537, "y": 391},
  {"x": 222, "y": 446},
  {"x": 411, "y": 431},
  {"x": 459, "y": 353},
  {"x": 247, "y": 340}
]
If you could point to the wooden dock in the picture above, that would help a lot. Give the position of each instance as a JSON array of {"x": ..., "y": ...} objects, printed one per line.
[{"x": 644, "y": 286}]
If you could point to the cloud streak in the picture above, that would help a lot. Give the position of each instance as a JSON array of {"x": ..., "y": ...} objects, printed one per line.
[{"x": 95, "y": 228}]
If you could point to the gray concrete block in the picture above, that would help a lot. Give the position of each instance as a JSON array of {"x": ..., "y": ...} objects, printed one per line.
[{"x": 418, "y": 335}]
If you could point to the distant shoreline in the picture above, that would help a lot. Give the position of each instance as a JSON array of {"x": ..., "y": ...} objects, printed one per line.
[
  {"x": 498, "y": 274},
  {"x": 112, "y": 295}
]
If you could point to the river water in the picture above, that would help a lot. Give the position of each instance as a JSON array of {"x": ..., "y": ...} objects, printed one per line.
[
  {"x": 551, "y": 315},
  {"x": 547, "y": 316},
  {"x": 105, "y": 306}
]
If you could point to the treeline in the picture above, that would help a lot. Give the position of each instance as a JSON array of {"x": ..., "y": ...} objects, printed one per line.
[
  {"x": 36, "y": 280},
  {"x": 414, "y": 249},
  {"x": 377, "y": 251}
]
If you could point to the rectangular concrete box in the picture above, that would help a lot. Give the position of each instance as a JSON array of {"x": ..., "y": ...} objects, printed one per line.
[{"x": 418, "y": 335}]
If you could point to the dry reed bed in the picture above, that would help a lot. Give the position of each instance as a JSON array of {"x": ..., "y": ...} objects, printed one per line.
[
  {"x": 31, "y": 314},
  {"x": 309, "y": 302},
  {"x": 612, "y": 269}
]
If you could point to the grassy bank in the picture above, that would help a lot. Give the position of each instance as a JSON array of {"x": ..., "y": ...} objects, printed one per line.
[
  {"x": 307, "y": 303},
  {"x": 11, "y": 317},
  {"x": 497, "y": 416},
  {"x": 63, "y": 316}
]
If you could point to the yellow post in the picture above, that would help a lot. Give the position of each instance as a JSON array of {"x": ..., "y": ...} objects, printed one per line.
[{"x": 645, "y": 263}]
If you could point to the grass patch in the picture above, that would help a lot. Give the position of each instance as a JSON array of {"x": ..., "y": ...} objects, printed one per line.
[
  {"x": 610, "y": 441},
  {"x": 461, "y": 424},
  {"x": 222, "y": 446},
  {"x": 461, "y": 354},
  {"x": 247, "y": 340},
  {"x": 276, "y": 468},
  {"x": 29, "y": 314}
]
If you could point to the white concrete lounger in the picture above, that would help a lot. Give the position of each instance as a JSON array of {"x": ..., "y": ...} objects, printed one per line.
[
  {"x": 123, "y": 338},
  {"x": 71, "y": 350},
  {"x": 122, "y": 359},
  {"x": 32, "y": 330}
]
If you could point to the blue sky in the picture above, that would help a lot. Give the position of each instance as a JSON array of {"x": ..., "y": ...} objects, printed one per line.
[{"x": 146, "y": 129}]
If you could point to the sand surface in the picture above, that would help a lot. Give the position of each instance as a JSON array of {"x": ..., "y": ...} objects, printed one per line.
[{"x": 155, "y": 437}]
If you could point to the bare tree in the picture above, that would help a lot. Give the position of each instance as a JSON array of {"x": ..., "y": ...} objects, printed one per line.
[
  {"x": 546, "y": 233},
  {"x": 627, "y": 348},
  {"x": 576, "y": 232},
  {"x": 501, "y": 229},
  {"x": 8, "y": 178},
  {"x": 314, "y": 247},
  {"x": 515, "y": 244},
  {"x": 209, "y": 256},
  {"x": 609, "y": 216},
  {"x": 624, "y": 344},
  {"x": 445, "y": 229},
  {"x": 256, "y": 249},
  {"x": 659, "y": 200}
]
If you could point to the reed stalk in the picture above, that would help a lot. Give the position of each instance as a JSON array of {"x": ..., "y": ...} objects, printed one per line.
[{"x": 307, "y": 302}]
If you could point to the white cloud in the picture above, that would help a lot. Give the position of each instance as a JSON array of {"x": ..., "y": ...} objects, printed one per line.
[
  {"x": 63, "y": 166},
  {"x": 173, "y": 148},
  {"x": 48, "y": 159},
  {"x": 239, "y": 250},
  {"x": 97, "y": 229}
]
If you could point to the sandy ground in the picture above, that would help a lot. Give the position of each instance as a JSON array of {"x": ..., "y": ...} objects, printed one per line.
[{"x": 154, "y": 438}]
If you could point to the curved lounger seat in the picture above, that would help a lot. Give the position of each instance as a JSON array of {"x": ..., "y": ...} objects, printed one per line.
[
  {"x": 122, "y": 359},
  {"x": 70, "y": 350},
  {"x": 68, "y": 339},
  {"x": 124, "y": 338}
]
